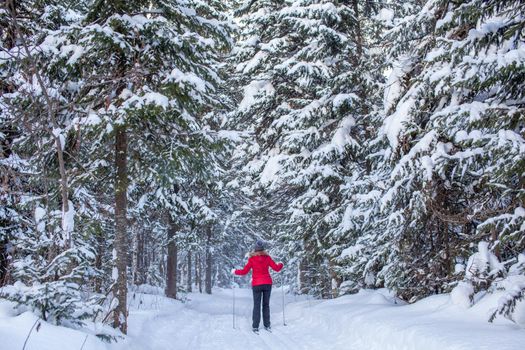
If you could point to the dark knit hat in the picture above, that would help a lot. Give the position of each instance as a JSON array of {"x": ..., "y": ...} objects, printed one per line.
[{"x": 259, "y": 245}]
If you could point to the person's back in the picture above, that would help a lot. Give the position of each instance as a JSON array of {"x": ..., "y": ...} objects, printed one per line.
[{"x": 260, "y": 262}]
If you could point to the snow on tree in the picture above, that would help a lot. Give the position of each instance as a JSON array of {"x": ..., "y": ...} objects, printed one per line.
[
  {"x": 125, "y": 77},
  {"x": 455, "y": 153},
  {"x": 308, "y": 76},
  {"x": 372, "y": 144},
  {"x": 51, "y": 259}
]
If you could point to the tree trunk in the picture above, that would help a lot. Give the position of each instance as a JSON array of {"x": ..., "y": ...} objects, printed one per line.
[
  {"x": 335, "y": 279},
  {"x": 135, "y": 257},
  {"x": 147, "y": 258},
  {"x": 121, "y": 186},
  {"x": 189, "y": 272},
  {"x": 11, "y": 32},
  {"x": 181, "y": 273},
  {"x": 171, "y": 264},
  {"x": 51, "y": 109},
  {"x": 198, "y": 269},
  {"x": 209, "y": 261},
  {"x": 139, "y": 276},
  {"x": 4, "y": 262},
  {"x": 139, "y": 258},
  {"x": 99, "y": 258},
  {"x": 302, "y": 274},
  {"x": 359, "y": 35}
]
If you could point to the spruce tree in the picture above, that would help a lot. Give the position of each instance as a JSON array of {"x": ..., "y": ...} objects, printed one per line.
[
  {"x": 52, "y": 256},
  {"x": 118, "y": 71},
  {"x": 307, "y": 76},
  {"x": 454, "y": 153}
]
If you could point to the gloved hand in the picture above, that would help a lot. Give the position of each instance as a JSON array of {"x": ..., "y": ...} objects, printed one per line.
[{"x": 233, "y": 271}]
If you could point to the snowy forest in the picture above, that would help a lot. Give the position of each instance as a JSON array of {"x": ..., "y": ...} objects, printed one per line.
[{"x": 146, "y": 145}]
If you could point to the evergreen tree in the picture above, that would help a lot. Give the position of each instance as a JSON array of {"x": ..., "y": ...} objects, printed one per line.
[
  {"x": 307, "y": 74},
  {"x": 454, "y": 150},
  {"x": 126, "y": 76},
  {"x": 52, "y": 257},
  {"x": 161, "y": 73}
]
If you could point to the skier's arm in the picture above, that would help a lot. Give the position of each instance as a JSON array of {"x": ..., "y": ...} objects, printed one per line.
[
  {"x": 276, "y": 267},
  {"x": 245, "y": 270}
]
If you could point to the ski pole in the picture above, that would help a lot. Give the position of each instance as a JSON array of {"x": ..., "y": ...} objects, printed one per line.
[
  {"x": 282, "y": 287},
  {"x": 233, "y": 309}
]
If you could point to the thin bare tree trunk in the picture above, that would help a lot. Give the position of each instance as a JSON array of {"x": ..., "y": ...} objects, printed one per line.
[
  {"x": 139, "y": 277},
  {"x": 302, "y": 274},
  {"x": 335, "y": 281},
  {"x": 199, "y": 274},
  {"x": 4, "y": 262},
  {"x": 209, "y": 261},
  {"x": 51, "y": 114},
  {"x": 171, "y": 268},
  {"x": 359, "y": 35},
  {"x": 189, "y": 272},
  {"x": 11, "y": 31},
  {"x": 121, "y": 187},
  {"x": 181, "y": 272},
  {"x": 135, "y": 257},
  {"x": 101, "y": 249}
]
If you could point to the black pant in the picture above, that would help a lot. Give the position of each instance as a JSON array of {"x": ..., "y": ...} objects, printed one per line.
[{"x": 264, "y": 291}]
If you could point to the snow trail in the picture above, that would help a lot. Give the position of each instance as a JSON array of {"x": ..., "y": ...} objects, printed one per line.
[
  {"x": 205, "y": 322},
  {"x": 368, "y": 320}
]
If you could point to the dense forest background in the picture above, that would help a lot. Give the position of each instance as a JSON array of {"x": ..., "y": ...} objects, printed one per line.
[{"x": 371, "y": 144}]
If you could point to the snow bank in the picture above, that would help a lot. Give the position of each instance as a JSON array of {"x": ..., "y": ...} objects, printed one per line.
[
  {"x": 14, "y": 330},
  {"x": 372, "y": 320}
]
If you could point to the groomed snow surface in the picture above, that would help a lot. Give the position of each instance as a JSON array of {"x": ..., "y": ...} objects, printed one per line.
[{"x": 365, "y": 321}]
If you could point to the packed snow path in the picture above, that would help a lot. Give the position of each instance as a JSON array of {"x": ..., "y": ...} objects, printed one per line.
[
  {"x": 206, "y": 322},
  {"x": 366, "y": 321},
  {"x": 369, "y": 320}
]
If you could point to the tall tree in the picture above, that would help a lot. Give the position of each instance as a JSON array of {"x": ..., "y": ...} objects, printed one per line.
[
  {"x": 127, "y": 82},
  {"x": 453, "y": 145},
  {"x": 52, "y": 258},
  {"x": 306, "y": 74}
]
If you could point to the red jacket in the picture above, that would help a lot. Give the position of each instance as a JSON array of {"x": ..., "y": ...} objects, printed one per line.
[{"x": 259, "y": 263}]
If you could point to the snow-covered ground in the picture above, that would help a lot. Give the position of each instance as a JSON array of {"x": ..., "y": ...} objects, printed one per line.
[{"x": 366, "y": 321}]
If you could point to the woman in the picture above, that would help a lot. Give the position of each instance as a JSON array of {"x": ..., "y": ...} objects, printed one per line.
[{"x": 259, "y": 261}]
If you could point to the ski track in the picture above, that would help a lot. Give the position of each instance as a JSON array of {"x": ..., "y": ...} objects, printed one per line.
[{"x": 205, "y": 322}]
